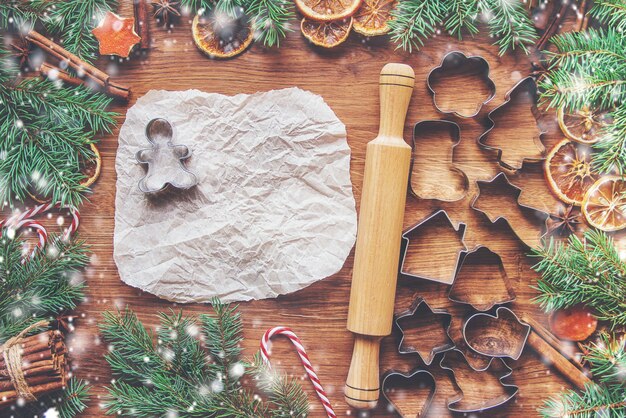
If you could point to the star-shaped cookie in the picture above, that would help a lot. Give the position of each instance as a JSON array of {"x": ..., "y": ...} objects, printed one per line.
[{"x": 116, "y": 35}]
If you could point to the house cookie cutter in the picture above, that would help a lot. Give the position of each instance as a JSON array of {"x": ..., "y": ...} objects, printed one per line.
[
  {"x": 480, "y": 293},
  {"x": 502, "y": 335},
  {"x": 453, "y": 64},
  {"x": 420, "y": 378},
  {"x": 445, "y": 274},
  {"x": 422, "y": 311},
  {"x": 529, "y": 212},
  {"x": 525, "y": 86},
  {"x": 436, "y": 189},
  {"x": 459, "y": 404},
  {"x": 164, "y": 160}
]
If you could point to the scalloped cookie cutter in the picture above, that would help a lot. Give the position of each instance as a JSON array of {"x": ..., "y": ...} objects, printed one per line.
[
  {"x": 453, "y": 65},
  {"x": 516, "y": 155},
  {"x": 421, "y": 311},
  {"x": 438, "y": 272},
  {"x": 430, "y": 173},
  {"x": 502, "y": 335},
  {"x": 164, "y": 160},
  {"x": 493, "y": 211},
  {"x": 421, "y": 379}
]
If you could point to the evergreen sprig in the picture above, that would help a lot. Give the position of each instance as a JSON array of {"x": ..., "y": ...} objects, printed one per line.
[
  {"x": 45, "y": 132},
  {"x": 610, "y": 12},
  {"x": 180, "y": 375},
  {"x": 596, "y": 401},
  {"x": 509, "y": 22},
  {"x": 607, "y": 358},
  {"x": 587, "y": 271},
  {"x": 69, "y": 20}
]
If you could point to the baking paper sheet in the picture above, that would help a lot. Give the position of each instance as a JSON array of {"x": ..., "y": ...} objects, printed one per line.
[{"x": 273, "y": 211}]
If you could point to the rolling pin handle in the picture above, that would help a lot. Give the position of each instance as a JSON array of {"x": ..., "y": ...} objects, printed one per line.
[
  {"x": 362, "y": 385},
  {"x": 396, "y": 87}
]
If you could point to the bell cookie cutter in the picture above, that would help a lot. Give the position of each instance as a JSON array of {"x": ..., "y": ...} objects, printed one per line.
[
  {"x": 514, "y": 162},
  {"x": 527, "y": 214},
  {"x": 464, "y": 402},
  {"x": 422, "y": 312},
  {"x": 502, "y": 335},
  {"x": 453, "y": 65},
  {"x": 439, "y": 272},
  {"x": 428, "y": 170},
  {"x": 164, "y": 160},
  {"x": 490, "y": 289},
  {"x": 419, "y": 379}
]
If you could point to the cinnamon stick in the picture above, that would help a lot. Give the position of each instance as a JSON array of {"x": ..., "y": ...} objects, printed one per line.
[
  {"x": 141, "y": 22},
  {"x": 551, "y": 339},
  {"x": 50, "y": 71},
  {"x": 10, "y": 396},
  {"x": 567, "y": 369}
]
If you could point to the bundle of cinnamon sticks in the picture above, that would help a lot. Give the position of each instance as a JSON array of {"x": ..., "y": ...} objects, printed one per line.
[
  {"x": 43, "y": 365},
  {"x": 99, "y": 77}
]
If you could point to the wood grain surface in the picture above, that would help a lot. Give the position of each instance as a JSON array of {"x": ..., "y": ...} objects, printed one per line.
[{"x": 347, "y": 79}]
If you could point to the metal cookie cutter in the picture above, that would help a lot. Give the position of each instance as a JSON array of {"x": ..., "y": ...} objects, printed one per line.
[
  {"x": 524, "y": 221},
  {"x": 528, "y": 87},
  {"x": 478, "y": 397},
  {"x": 499, "y": 335},
  {"x": 164, "y": 160},
  {"x": 418, "y": 380},
  {"x": 431, "y": 175},
  {"x": 424, "y": 318},
  {"x": 491, "y": 288},
  {"x": 438, "y": 272},
  {"x": 454, "y": 64}
]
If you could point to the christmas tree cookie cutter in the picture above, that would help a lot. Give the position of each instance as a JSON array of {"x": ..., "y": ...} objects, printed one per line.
[
  {"x": 414, "y": 248},
  {"x": 533, "y": 149},
  {"x": 164, "y": 160},
  {"x": 499, "y": 195},
  {"x": 432, "y": 165},
  {"x": 492, "y": 382},
  {"x": 487, "y": 283},
  {"x": 426, "y": 319},
  {"x": 418, "y": 379},
  {"x": 454, "y": 66},
  {"x": 502, "y": 335}
]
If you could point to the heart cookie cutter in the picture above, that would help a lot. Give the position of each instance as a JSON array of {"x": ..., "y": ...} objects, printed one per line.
[
  {"x": 418, "y": 379},
  {"x": 527, "y": 214},
  {"x": 453, "y": 65},
  {"x": 502, "y": 335},
  {"x": 427, "y": 183},
  {"x": 463, "y": 403},
  {"x": 492, "y": 288},
  {"x": 441, "y": 273},
  {"x": 425, "y": 315},
  {"x": 164, "y": 160},
  {"x": 526, "y": 86}
]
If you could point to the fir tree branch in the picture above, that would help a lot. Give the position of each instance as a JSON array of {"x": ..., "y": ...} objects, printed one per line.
[
  {"x": 594, "y": 401},
  {"x": 462, "y": 16},
  {"x": 412, "y": 21},
  {"x": 270, "y": 19},
  {"x": 608, "y": 359},
  {"x": 509, "y": 23},
  {"x": 610, "y": 12}
]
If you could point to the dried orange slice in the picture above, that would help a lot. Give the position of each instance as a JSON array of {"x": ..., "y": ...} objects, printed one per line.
[
  {"x": 583, "y": 125},
  {"x": 373, "y": 17},
  {"x": 220, "y": 39},
  {"x": 569, "y": 172},
  {"x": 92, "y": 167},
  {"x": 604, "y": 205},
  {"x": 326, "y": 34},
  {"x": 325, "y": 10}
]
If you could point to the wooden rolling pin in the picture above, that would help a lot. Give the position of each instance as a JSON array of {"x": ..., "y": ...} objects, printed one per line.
[{"x": 377, "y": 251}]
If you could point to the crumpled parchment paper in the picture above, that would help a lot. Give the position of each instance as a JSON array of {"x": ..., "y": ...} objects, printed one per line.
[{"x": 273, "y": 211}]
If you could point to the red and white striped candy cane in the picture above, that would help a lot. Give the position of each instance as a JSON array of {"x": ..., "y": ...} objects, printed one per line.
[
  {"x": 287, "y": 332},
  {"x": 37, "y": 210},
  {"x": 41, "y": 232}
]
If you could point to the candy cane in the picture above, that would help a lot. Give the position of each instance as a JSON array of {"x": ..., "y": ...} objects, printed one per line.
[
  {"x": 31, "y": 213},
  {"x": 26, "y": 223},
  {"x": 265, "y": 355}
]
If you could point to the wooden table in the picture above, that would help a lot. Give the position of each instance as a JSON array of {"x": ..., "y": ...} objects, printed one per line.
[{"x": 347, "y": 78}]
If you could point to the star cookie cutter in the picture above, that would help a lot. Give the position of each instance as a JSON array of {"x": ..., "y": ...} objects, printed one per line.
[
  {"x": 432, "y": 182},
  {"x": 444, "y": 273},
  {"x": 454, "y": 64},
  {"x": 525, "y": 86},
  {"x": 502, "y": 335},
  {"x": 164, "y": 160},
  {"x": 528, "y": 214},
  {"x": 425, "y": 315},
  {"x": 492, "y": 288},
  {"x": 418, "y": 379},
  {"x": 464, "y": 402}
]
